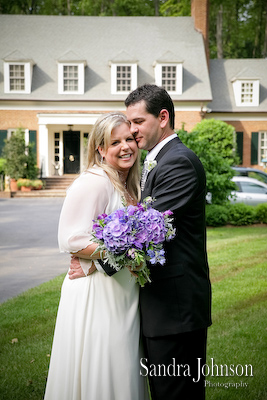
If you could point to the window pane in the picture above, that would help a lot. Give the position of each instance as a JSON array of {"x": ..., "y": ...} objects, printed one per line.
[
  {"x": 252, "y": 188},
  {"x": 246, "y": 92},
  {"x": 70, "y": 78},
  {"x": 169, "y": 78},
  {"x": 124, "y": 78},
  {"x": 17, "y": 77}
]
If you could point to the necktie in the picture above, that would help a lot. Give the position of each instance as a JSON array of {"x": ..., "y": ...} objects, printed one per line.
[{"x": 144, "y": 176}]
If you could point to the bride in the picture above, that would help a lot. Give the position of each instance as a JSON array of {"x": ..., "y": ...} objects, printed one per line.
[{"x": 96, "y": 346}]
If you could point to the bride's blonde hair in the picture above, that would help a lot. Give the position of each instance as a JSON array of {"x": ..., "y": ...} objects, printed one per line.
[{"x": 100, "y": 136}]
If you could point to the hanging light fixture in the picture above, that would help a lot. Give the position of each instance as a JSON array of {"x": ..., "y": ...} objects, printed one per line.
[{"x": 70, "y": 126}]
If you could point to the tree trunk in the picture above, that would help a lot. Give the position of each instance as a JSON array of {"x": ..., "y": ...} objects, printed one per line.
[
  {"x": 156, "y": 2},
  {"x": 219, "y": 28}
]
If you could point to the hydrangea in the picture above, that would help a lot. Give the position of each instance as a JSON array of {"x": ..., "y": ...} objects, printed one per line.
[{"x": 133, "y": 235}]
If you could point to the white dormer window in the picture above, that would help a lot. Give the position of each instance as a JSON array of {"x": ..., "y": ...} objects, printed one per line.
[
  {"x": 246, "y": 92},
  {"x": 169, "y": 76},
  {"x": 123, "y": 78},
  {"x": 71, "y": 78},
  {"x": 17, "y": 77}
]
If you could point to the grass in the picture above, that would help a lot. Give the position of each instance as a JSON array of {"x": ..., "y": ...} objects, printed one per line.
[
  {"x": 238, "y": 270},
  {"x": 238, "y": 261}
]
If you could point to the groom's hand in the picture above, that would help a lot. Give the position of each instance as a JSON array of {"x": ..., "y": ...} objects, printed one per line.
[{"x": 76, "y": 270}]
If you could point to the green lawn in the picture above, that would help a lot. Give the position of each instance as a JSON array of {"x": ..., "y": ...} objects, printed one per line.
[{"x": 238, "y": 336}]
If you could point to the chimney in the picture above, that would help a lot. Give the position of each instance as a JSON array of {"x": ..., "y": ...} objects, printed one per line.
[{"x": 200, "y": 13}]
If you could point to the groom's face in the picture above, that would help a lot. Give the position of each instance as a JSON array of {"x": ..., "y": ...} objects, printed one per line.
[{"x": 145, "y": 127}]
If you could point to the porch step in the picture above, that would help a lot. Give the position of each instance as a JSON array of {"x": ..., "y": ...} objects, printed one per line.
[
  {"x": 39, "y": 193},
  {"x": 59, "y": 182},
  {"x": 55, "y": 186}
]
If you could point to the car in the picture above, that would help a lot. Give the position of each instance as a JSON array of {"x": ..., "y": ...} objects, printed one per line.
[
  {"x": 251, "y": 173},
  {"x": 249, "y": 191}
]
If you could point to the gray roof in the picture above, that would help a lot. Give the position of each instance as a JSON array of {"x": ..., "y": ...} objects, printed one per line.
[
  {"x": 222, "y": 75},
  {"x": 96, "y": 41}
]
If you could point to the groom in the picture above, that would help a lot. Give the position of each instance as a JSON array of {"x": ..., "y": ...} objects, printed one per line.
[{"x": 176, "y": 305}]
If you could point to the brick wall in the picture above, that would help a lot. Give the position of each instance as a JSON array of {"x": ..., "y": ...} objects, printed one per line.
[{"x": 247, "y": 127}]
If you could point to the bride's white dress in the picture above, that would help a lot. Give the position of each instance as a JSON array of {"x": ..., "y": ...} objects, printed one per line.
[{"x": 96, "y": 352}]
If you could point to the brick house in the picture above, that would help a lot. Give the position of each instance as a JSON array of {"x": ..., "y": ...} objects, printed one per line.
[{"x": 59, "y": 73}]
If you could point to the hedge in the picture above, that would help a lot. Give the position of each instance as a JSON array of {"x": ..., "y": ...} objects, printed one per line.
[{"x": 235, "y": 214}]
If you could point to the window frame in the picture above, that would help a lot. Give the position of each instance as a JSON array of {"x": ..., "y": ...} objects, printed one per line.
[
  {"x": 237, "y": 87},
  {"x": 81, "y": 74},
  {"x": 27, "y": 76},
  {"x": 179, "y": 76},
  {"x": 114, "y": 79},
  {"x": 261, "y": 148}
]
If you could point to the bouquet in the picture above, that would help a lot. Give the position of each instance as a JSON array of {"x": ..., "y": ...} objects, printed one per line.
[{"x": 132, "y": 235}]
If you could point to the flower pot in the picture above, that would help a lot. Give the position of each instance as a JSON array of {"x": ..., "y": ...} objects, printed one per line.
[
  {"x": 26, "y": 188},
  {"x": 13, "y": 185}
]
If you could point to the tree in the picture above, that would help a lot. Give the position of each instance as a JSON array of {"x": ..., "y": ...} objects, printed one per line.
[
  {"x": 20, "y": 160},
  {"x": 220, "y": 137},
  {"x": 238, "y": 28},
  {"x": 14, "y": 154},
  {"x": 217, "y": 168},
  {"x": 175, "y": 8}
]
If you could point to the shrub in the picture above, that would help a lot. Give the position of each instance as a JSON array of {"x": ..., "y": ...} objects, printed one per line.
[
  {"x": 2, "y": 166},
  {"x": 216, "y": 215},
  {"x": 37, "y": 184},
  {"x": 261, "y": 213},
  {"x": 217, "y": 168},
  {"x": 220, "y": 135},
  {"x": 31, "y": 170},
  {"x": 14, "y": 153},
  {"x": 241, "y": 214}
]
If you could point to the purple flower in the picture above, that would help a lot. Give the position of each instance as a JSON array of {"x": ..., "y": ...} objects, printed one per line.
[
  {"x": 133, "y": 234},
  {"x": 168, "y": 213},
  {"x": 156, "y": 256}
]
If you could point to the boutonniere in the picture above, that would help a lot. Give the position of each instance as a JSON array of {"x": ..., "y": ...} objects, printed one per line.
[{"x": 150, "y": 164}]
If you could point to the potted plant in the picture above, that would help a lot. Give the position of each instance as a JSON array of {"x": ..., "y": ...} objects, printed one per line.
[
  {"x": 16, "y": 159},
  {"x": 37, "y": 184},
  {"x": 24, "y": 184}
]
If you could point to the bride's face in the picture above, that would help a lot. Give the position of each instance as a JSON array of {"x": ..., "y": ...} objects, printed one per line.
[{"x": 122, "y": 151}]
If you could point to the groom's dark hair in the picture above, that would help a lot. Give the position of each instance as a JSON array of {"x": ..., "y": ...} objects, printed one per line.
[{"x": 156, "y": 98}]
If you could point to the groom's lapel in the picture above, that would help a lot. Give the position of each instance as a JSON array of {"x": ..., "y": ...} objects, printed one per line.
[{"x": 147, "y": 186}]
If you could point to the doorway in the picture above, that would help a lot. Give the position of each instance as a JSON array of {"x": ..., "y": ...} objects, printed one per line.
[{"x": 71, "y": 141}]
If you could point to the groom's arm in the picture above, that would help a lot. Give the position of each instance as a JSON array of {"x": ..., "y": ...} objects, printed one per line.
[{"x": 76, "y": 270}]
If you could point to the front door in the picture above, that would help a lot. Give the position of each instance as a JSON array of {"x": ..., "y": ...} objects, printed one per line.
[{"x": 71, "y": 141}]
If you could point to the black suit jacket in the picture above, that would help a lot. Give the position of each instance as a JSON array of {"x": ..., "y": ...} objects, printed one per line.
[{"x": 179, "y": 297}]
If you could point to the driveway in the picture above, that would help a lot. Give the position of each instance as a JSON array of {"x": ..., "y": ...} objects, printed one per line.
[{"x": 29, "y": 252}]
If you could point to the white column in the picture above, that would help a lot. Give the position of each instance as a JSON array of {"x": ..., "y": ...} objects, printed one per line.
[{"x": 43, "y": 149}]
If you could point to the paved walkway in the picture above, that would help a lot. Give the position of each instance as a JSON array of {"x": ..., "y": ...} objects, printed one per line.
[{"x": 29, "y": 252}]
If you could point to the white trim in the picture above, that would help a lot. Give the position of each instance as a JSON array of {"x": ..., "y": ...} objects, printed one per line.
[
  {"x": 28, "y": 66},
  {"x": 67, "y": 119},
  {"x": 43, "y": 149},
  {"x": 179, "y": 76},
  {"x": 114, "y": 77},
  {"x": 90, "y": 107},
  {"x": 80, "y": 78},
  {"x": 234, "y": 116},
  {"x": 237, "y": 88}
]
